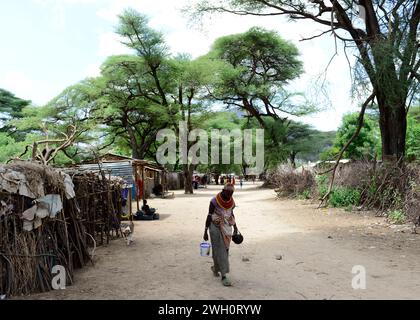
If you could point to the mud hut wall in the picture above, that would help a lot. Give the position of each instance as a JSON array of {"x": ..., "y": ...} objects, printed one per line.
[
  {"x": 175, "y": 180},
  {"x": 149, "y": 181}
]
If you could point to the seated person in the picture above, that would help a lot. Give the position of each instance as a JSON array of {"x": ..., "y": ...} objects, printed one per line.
[
  {"x": 158, "y": 190},
  {"x": 146, "y": 209}
]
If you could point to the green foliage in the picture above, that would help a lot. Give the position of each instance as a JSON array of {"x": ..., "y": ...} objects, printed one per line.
[
  {"x": 290, "y": 140},
  {"x": 344, "y": 197},
  {"x": 300, "y": 138},
  {"x": 259, "y": 48},
  {"x": 397, "y": 216},
  {"x": 11, "y": 107},
  {"x": 390, "y": 64},
  {"x": 8, "y": 147},
  {"x": 364, "y": 146},
  {"x": 322, "y": 184},
  {"x": 222, "y": 120},
  {"x": 315, "y": 144},
  {"x": 305, "y": 194},
  {"x": 413, "y": 135},
  {"x": 257, "y": 65},
  {"x": 275, "y": 131},
  {"x": 340, "y": 196},
  {"x": 147, "y": 42},
  {"x": 126, "y": 103}
]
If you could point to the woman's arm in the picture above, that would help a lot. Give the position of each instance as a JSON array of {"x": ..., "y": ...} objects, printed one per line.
[
  {"x": 208, "y": 221},
  {"x": 235, "y": 228},
  {"x": 211, "y": 211}
]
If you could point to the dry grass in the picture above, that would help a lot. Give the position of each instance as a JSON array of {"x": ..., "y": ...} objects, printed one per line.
[
  {"x": 384, "y": 187},
  {"x": 412, "y": 198},
  {"x": 290, "y": 183}
]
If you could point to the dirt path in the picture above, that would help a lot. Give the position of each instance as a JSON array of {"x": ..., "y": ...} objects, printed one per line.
[{"x": 318, "y": 250}]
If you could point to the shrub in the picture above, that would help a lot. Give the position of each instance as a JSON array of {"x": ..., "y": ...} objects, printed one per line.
[
  {"x": 290, "y": 182},
  {"x": 412, "y": 196},
  {"x": 322, "y": 185},
  {"x": 305, "y": 194},
  {"x": 384, "y": 186},
  {"x": 396, "y": 216},
  {"x": 344, "y": 197}
]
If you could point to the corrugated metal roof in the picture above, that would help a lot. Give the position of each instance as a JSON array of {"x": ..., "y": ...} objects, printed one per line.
[{"x": 123, "y": 169}]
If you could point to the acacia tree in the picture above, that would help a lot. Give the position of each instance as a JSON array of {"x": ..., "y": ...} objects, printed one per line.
[
  {"x": 127, "y": 106},
  {"x": 192, "y": 76},
  {"x": 170, "y": 87},
  {"x": 291, "y": 141},
  {"x": 215, "y": 124},
  {"x": 300, "y": 139},
  {"x": 257, "y": 66},
  {"x": 386, "y": 46},
  {"x": 11, "y": 108},
  {"x": 57, "y": 128}
]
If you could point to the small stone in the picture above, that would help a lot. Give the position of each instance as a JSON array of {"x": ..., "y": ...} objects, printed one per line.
[
  {"x": 279, "y": 257},
  {"x": 329, "y": 237},
  {"x": 245, "y": 259}
]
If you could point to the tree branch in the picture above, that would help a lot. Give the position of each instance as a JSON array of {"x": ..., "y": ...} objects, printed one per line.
[{"x": 340, "y": 155}]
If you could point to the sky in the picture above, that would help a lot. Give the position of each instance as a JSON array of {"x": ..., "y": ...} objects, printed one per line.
[{"x": 48, "y": 45}]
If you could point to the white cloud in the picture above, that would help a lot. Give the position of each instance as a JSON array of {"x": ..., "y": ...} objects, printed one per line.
[
  {"x": 93, "y": 70},
  {"x": 25, "y": 87},
  {"x": 18, "y": 83},
  {"x": 110, "y": 44},
  {"x": 58, "y": 9}
]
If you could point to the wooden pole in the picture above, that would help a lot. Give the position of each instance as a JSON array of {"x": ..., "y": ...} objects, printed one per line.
[
  {"x": 136, "y": 187},
  {"x": 143, "y": 183},
  {"x": 130, "y": 199}
]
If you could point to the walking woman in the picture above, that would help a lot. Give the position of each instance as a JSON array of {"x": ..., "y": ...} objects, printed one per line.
[{"x": 220, "y": 221}]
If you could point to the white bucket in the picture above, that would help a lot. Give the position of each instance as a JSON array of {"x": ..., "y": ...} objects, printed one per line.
[{"x": 205, "y": 249}]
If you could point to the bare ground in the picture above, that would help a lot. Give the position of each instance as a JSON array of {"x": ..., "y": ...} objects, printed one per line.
[{"x": 292, "y": 250}]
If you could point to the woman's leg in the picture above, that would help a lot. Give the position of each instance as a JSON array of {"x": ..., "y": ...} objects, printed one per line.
[{"x": 220, "y": 254}]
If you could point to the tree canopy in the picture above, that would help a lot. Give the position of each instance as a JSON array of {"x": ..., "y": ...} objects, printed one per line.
[
  {"x": 364, "y": 146},
  {"x": 258, "y": 64},
  {"x": 385, "y": 43},
  {"x": 10, "y": 108}
]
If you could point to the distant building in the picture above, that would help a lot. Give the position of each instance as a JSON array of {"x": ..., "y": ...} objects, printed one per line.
[{"x": 141, "y": 176}]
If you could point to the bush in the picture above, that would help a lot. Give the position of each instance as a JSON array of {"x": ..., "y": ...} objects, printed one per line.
[
  {"x": 412, "y": 197},
  {"x": 305, "y": 194},
  {"x": 396, "y": 216},
  {"x": 386, "y": 187},
  {"x": 344, "y": 197},
  {"x": 372, "y": 185},
  {"x": 290, "y": 182},
  {"x": 322, "y": 184}
]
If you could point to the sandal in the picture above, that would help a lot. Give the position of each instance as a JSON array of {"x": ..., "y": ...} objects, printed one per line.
[
  {"x": 215, "y": 273},
  {"x": 226, "y": 282}
]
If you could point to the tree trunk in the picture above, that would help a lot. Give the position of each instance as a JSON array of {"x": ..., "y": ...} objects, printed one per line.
[
  {"x": 293, "y": 159},
  {"x": 188, "y": 174},
  {"x": 393, "y": 126}
]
